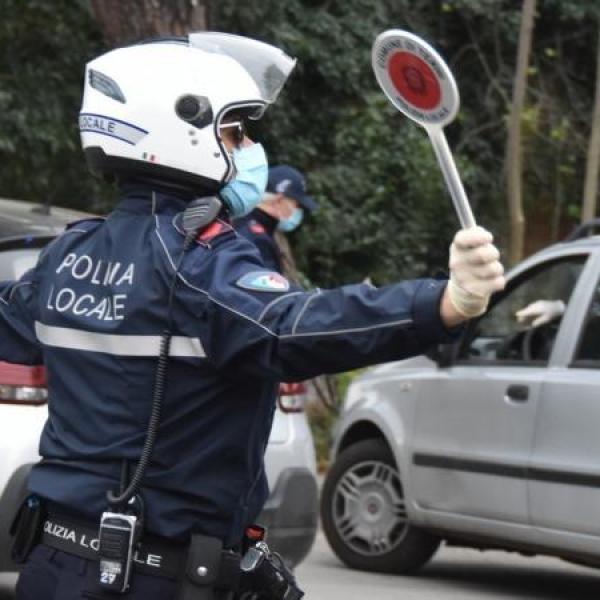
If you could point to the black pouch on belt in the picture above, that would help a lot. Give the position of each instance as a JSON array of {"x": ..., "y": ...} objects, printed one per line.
[
  {"x": 201, "y": 569},
  {"x": 27, "y": 528}
]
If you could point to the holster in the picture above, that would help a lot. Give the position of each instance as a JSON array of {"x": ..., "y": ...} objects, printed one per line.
[
  {"x": 206, "y": 570},
  {"x": 27, "y": 528}
]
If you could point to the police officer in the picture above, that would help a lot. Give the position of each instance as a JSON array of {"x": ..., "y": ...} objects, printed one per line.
[
  {"x": 164, "y": 336},
  {"x": 282, "y": 209}
]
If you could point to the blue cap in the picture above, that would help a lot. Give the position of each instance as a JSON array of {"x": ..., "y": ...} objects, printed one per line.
[{"x": 286, "y": 180}]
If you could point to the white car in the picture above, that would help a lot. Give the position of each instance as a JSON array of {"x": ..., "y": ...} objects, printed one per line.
[{"x": 291, "y": 512}]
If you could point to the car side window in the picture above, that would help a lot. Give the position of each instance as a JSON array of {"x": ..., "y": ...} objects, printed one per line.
[
  {"x": 522, "y": 325},
  {"x": 588, "y": 348}
]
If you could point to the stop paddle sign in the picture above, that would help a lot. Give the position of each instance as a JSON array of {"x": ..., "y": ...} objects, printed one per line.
[{"x": 419, "y": 84}]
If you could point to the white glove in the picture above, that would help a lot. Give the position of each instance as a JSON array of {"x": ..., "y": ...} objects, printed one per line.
[
  {"x": 475, "y": 271},
  {"x": 541, "y": 312}
]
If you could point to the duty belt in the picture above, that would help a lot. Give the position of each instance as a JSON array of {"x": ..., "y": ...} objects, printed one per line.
[{"x": 153, "y": 556}]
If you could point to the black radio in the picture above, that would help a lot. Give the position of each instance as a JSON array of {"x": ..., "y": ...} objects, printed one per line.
[{"x": 119, "y": 534}]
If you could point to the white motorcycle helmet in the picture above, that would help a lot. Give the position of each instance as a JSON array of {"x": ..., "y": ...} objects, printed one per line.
[{"x": 154, "y": 110}]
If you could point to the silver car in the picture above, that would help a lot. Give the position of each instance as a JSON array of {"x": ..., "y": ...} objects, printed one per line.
[{"x": 493, "y": 442}]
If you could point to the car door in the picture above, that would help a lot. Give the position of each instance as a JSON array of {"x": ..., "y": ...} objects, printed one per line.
[
  {"x": 474, "y": 420},
  {"x": 564, "y": 478}
]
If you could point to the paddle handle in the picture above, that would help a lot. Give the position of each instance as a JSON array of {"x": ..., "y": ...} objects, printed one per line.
[{"x": 451, "y": 176}]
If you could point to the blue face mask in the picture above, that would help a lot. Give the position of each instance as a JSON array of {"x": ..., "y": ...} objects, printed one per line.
[
  {"x": 292, "y": 221},
  {"x": 246, "y": 190}
]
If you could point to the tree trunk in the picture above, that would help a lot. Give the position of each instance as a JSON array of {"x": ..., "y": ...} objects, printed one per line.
[
  {"x": 125, "y": 21},
  {"x": 513, "y": 149},
  {"x": 590, "y": 189}
]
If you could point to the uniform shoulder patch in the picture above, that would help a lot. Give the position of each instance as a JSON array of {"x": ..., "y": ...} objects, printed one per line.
[
  {"x": 263, "y": 281},
  {"x": 257, "y": 228}
]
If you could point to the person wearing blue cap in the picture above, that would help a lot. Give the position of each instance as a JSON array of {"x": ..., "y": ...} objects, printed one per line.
[{"x": 282, "y": 209}]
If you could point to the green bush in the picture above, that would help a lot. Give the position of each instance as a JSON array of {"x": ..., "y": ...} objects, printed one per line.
[
  {"x": 45, "y": 48},
  {"x": 323, "y": 410}
]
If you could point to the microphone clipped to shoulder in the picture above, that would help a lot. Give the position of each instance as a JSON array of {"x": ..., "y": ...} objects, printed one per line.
[{"x": 199, "y": 213}]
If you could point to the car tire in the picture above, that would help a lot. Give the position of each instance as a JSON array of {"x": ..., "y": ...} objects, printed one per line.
[{"x": 363, "y": 514}]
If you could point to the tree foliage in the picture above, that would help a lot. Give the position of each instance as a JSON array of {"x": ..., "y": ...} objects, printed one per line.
[
  {"x": 45, "y": 46},
  {"x": 380, "y": 192},
  {"x": 384, "y": 211}
]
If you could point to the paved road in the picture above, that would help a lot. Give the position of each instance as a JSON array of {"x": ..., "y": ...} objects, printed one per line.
[{"x": 454, "y": 574}]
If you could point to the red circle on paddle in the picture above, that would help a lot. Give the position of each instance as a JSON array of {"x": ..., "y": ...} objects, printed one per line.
[{"x": 414, "y": 80}]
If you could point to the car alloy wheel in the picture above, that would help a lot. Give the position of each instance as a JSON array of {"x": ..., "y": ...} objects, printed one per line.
[
  {"x": 368, "y": 508},
  {"x": 364, "y": 515}
]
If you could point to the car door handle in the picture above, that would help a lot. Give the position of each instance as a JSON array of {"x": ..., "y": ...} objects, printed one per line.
[{"x": 517, "y": 393}]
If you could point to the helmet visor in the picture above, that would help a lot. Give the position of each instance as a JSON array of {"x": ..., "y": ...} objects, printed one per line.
[{"x": 267, "y": 65}]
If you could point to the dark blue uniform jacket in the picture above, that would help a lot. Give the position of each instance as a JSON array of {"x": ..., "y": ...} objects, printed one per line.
[
  {"x": 93, "y": 310},
  {"x": 259, "y": 227}
]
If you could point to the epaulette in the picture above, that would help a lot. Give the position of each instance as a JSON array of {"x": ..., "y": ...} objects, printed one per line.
[{"x": 212, "y": 231}]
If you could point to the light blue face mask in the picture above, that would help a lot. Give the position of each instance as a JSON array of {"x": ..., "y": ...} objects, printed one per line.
[
  {"x": 292, "y": 222},
  {"x": 246, "y": 190}
]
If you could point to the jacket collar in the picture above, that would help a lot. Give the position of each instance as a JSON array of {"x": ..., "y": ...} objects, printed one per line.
[
  {"x": 265, "y": 219},
  {"x": 149, "y": 199}
]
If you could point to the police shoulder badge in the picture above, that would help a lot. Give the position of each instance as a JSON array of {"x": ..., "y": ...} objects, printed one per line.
[
  {"x": 257, "y": 228},
  {"x": 264, "y": 281}
]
